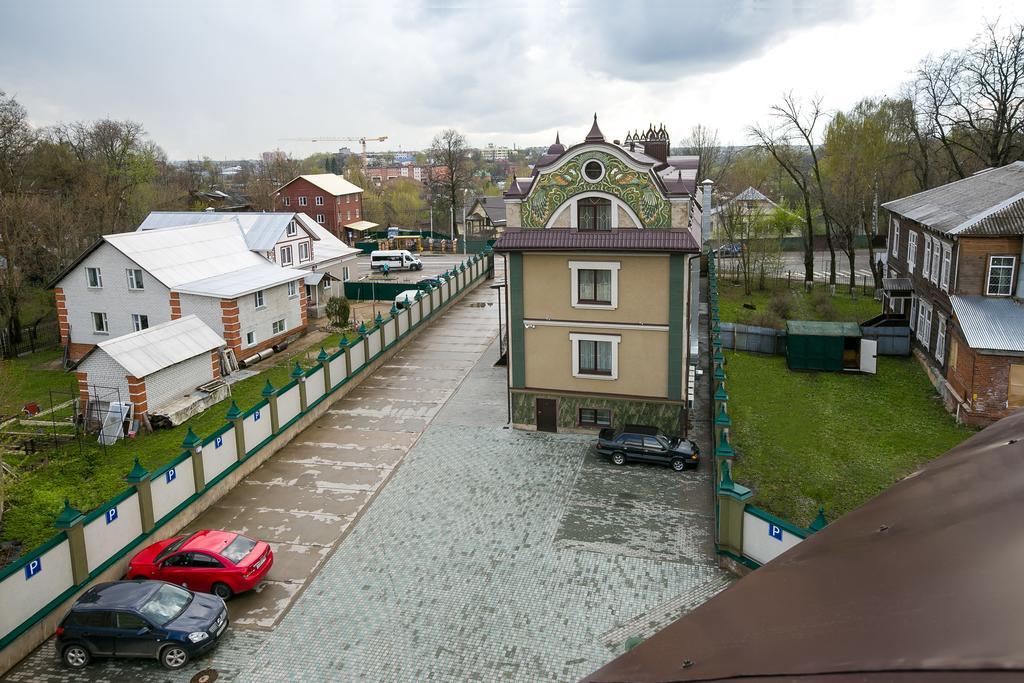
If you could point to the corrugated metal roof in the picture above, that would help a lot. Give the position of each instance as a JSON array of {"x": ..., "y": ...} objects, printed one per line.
[
  {"x": 676, "y": 240},
  {"x": 994, "y": 323},
  {"x": 956, "y": 207},
  {"x": 147, "y": 351},
  {"x": 822, "y": 328},
  {"x": 897, "y": 285},
  {"x": 262, "y": 230},
  {"x": 328, "y": 247},
  {"x": 175, "y": 256},
  {"x": 331, "y": 183},
  {"x": 241, "y": 282}
]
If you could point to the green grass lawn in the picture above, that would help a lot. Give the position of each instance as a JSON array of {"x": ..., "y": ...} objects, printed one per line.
[
  {"x": 797, "y": 304},
  {"x": 30, "y": 378},
  {"x": 89, "y": 474},
  {"x": 834, "y": 439}
]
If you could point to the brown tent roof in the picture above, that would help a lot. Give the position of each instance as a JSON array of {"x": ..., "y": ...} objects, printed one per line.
[
  {"x": 923, "y": 581},
  {"x": 538, "y": 239}
]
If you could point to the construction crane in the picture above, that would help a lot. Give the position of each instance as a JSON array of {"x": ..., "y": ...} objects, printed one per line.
[{"x": 361, "y": 140}]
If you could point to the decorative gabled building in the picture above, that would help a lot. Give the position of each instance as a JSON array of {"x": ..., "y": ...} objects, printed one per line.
[{"x": 601, "y": 245}]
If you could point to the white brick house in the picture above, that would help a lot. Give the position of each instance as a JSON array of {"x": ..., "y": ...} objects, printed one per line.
[{"x": 131, "y": 281}]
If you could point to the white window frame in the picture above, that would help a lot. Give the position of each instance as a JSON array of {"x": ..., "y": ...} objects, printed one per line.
[
  {"x": 319, "y": 200},
  {"x": 286, "y": 200},
  {"x": 947, "y": 264},
  {"x": 99, "y": 278},
  {"x": 327, "y": 283},
  {"x": 911, "y": 251},
  {"x": 304, "y": 247},
  {"x": 912, "y": 318},
  {"x": 303, "y": 201},
  {"x": 895, "y": 237},
  {"x": 924, "y": 324},
  {"x": 292, "y": 230},
  {"x": 940, "y": 341},
  {"x": 258, "y": 299},
  {"x": 936, "y": 261},
  {"x": 135, "y": 284},
  {"x": 320, "y": 218},
  {"x": 250, "y": 338},
  {"x": 576, "y": 266},
  {"x": 344, "y": 273},
  {"x": 103, "y": 317},
  {"x": 286, "y": 255},
  {"x": 137, "y": 321},
  {"x": 576, "y": 337},
  {"x": 275, "y": 330},
  {"x": 293, "y": 289},
  {"x": 926, "y": 262},
  {"x": 988, "y": 274}
]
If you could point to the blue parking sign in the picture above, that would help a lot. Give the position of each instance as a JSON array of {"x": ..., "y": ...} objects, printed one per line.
[
  {"x": 111, "y": 514},
  {"x": 170, "y": 475},
  {"x": 256, "y": 416},
  {"x": 775, "y": 531},
  {"x": 218, "y": 442},
  {"x": 33, "y": 568}
]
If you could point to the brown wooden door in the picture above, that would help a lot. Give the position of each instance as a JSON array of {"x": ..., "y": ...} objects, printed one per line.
[{"x": 547, "y": 415}]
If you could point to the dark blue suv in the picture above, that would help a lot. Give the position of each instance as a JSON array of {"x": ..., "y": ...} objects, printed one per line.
[{"x": 141, "y": 619}]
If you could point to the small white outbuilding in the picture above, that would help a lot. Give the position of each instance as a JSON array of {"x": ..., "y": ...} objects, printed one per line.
[{"x": 152, "y": 368}]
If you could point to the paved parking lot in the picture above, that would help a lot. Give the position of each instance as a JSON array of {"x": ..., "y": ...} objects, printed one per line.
[
  {"x": 433, "y": 264},
  {"x": 484, "y": 554}
]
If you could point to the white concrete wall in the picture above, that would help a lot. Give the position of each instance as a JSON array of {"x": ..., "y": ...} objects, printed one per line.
[
  {"x": 414, "y": 312},
  {"x": 114, "y": 299},
  {"x": 178, "y": 380},
  {"x": 315, "y": 386},
  {"x": 389, "y": 331},
  {"x": 337, "y": 369},
  {"x": 357, "y": 356},
  {"x": 167, "y": 496},
  {"x": 217, "y": 458},
  {"x": 402, "y": 319},
  {"x": 257, "y": 429},
  {"x": 107, "y": 379},
  {"x": 435, "y": 298},
  {"x": 758, "y": 542},
  {"x": 22, "y": 597},
  {"x": 374, "y": 346},
  {"x": 288, "y": 405},
  {"x": 277, "y": 305},
  {"x": 206, "y": 308},
  {"x": 103, "y": 540}
]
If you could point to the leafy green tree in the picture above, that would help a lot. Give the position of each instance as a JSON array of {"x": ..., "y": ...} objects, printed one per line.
[{"x": 338, "y": 311}]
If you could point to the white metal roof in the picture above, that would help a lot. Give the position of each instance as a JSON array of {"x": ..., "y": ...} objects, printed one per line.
[
  {"x": 147, "y": 351},
  {"x": 175, "y": 256},
  {"x": 241, "y": 282},
  {"x": 332, "y": 183},
  {"x": 991, "y": 323},
  {"x": 262, "y": 230},
  {"x": 328, "y": 247},
  {"x": 361, "y": 226}
]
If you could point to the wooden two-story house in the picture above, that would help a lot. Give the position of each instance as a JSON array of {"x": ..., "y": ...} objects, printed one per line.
[
  {"x": 599, "y": 243},
  {"x": 954, "y": 270}
]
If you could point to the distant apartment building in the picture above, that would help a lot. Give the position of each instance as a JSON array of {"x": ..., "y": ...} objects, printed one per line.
[
  {"x": 493, "y": 152},
  {"x": 384, "y": 174},
  {"x": 327, "y": 198}
]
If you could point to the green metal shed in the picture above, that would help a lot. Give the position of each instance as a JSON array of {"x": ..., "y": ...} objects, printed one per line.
[{"x": 818, "y": 345}]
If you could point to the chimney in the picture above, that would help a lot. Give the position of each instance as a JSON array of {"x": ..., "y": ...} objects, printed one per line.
[{"x": 705, "y": 214}]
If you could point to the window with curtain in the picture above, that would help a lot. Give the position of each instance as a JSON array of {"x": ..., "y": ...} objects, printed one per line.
[
  {"x": 595, "y": 213},
  {"x": 595, "y": 287},
  {"x": 595, "y": 357}
]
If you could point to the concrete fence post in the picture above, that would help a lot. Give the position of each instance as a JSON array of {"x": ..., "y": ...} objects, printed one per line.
[
  {"x": 270, "y": 393},
  {"x": 732, "y": 500},
  {"x": 138, "y": 477},
  {"x": 237, "y": 421},
  {"x": 194, "y": 445},
  {"x": 70, "y": 521},
  {"x": 299, "y": 375},
  {"x": 325, "y": 365},
  {"x": 343, "y": 347},
  {"x": 379, "y": 320}
]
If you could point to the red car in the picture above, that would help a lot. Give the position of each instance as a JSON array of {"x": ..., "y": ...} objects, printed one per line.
[{"x": 218, "y": 562}]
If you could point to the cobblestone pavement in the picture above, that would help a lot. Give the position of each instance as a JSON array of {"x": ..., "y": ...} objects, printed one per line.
[{"x": 489, "y": 555}]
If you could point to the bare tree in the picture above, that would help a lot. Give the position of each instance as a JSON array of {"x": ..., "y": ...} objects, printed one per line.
[
  {"x": 451, "y": 172},
  {"x": 713, "y": 159},
  {"x": 16, "y": 140}
]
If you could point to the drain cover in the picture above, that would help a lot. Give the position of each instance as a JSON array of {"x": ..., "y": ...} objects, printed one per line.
[{"x": 205, "y": 676}]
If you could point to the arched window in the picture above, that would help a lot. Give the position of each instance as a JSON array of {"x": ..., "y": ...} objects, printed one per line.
[{"x": 595, "y": 213}]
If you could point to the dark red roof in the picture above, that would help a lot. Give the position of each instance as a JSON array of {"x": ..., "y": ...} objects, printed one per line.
[
  {"x": 553, "y": 239},
  {"x": 921, "y": 582}
]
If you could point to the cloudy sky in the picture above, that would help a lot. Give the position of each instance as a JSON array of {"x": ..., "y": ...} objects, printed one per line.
[{"x": 231, "y": 79}]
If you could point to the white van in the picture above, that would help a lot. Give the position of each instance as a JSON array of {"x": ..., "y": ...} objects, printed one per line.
[{"x": 397, "y": 259}]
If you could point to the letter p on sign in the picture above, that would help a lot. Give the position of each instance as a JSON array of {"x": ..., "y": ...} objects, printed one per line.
[
  {"x": 33, "y": 568},
  {"x": 775, "y": 532}
]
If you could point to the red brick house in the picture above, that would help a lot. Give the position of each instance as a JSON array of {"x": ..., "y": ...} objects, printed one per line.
[
  {"x": 954, "y": 270},
  {"x": 327, "y": 198}
]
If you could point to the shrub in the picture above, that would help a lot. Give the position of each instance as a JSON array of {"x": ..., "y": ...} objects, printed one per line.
[
  {"x": 782, "y": 305},
  {"x": 823, "y": 307},
  {"x": 338, "y": 311},
  {"x": 765, "y": 319}
]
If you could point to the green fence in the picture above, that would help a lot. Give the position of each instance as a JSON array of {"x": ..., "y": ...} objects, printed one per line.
[{"x": 88, "y": 544}]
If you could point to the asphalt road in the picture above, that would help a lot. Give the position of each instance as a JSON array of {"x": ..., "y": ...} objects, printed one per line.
[{"x": 433, "y": 264}]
